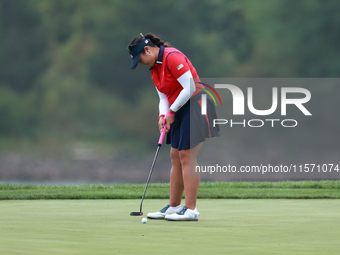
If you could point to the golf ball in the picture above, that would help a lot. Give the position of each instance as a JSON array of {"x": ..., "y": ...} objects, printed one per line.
[{"x": 144, "y": 220}]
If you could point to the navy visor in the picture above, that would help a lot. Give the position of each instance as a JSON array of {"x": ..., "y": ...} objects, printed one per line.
[{"x": 135, "y": 53}]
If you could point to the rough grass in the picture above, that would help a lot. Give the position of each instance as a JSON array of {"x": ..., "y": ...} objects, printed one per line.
[{"x": 214, "y": 190}]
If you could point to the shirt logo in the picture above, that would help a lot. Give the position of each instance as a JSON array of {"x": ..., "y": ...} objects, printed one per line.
[{"x": 180, "y": 67}]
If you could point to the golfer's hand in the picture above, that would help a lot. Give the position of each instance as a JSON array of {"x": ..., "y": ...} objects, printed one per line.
[
  {"x": 160, "y": 124},
  {"x": 169, "y": 121}
]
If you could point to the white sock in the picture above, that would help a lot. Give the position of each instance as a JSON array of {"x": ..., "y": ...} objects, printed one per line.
[
  {"x": 193, "y": 210},
  {"x": 176, "y": 208}
]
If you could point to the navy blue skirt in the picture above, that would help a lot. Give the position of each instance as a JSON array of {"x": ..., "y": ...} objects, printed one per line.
[{"x": 190, "y": 127}]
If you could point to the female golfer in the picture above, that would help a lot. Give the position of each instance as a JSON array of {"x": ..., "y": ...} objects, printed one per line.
[{"x": 180, "y": 101}]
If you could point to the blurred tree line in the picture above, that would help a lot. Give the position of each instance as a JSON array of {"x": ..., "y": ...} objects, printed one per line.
[{"x": 65, "y": 69}]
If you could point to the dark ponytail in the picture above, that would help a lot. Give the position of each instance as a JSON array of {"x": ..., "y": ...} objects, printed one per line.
[{"x": 154, "y": 41}]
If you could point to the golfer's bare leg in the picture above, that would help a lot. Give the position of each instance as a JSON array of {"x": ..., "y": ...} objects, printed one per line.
[
  {"x": 176, "y": 179},
  {"x": 188, "y": 160}
]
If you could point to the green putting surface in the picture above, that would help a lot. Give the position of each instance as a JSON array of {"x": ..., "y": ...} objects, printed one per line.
[{"x": 271, "y": 226}]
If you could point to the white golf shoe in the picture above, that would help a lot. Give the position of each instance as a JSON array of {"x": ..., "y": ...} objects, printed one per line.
[
  {"x": 185, "y": 214},
  {"x": 162, "y": 213}
]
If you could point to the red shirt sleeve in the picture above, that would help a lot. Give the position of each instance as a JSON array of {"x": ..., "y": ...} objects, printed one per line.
[{"x": 177, "y": 64}]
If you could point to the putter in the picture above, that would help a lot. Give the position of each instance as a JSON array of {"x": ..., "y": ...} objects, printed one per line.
[{"x": 160, "y": 141}]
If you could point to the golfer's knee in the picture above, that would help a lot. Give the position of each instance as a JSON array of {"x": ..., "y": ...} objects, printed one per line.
[
  {"x": 184, "y": 156},
  {"x": 174, "y": 155}
]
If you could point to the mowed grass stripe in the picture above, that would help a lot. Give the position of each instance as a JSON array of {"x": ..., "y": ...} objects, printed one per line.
[{"x": 215, "y": 190}]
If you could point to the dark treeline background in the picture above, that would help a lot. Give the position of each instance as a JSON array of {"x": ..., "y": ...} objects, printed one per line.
[{"x": 65, "y": 73}]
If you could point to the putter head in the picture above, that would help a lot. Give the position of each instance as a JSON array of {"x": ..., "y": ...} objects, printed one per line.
[{"x": 136, "y": 213}]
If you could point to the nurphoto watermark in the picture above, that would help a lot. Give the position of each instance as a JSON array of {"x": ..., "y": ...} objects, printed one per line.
[{"x": 270, "y": 128}]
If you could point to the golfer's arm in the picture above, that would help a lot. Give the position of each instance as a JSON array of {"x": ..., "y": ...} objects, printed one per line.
[
  {"x": 163, "y": 103},
  {"x": 187, "y": 91}
]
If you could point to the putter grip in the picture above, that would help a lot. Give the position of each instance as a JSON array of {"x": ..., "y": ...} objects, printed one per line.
[{"x": 161, "y": 138}]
